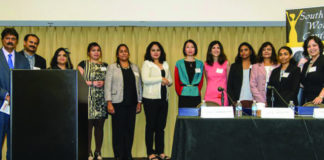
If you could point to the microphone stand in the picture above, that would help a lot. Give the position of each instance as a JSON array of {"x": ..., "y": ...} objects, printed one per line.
[
  {"x": 222, "y": 98},
  {"x": 273, "y": 88},
  {"x": 232, "y": 101},
  {"x": 230, "y": 98},
  {"x": 272, "y": 97}
]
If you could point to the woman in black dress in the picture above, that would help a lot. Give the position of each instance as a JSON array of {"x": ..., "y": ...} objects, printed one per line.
[
  {"x": 285, "y": 79},
  {"x": 313, "y": 71}
]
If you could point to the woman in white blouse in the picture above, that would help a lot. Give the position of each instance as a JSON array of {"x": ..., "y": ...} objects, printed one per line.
[{"x": 156, "y": 78}]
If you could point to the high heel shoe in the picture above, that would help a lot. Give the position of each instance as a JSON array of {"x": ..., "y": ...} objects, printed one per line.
[
  {"x": 90, "y": 156},
  {"x": 164, "y": 157},
  {"x": 153, "y": 157},
  {"x": 98, "y": 155}
]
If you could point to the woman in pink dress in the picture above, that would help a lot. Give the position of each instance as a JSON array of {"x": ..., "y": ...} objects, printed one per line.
[{"x": 216, "y": 71}]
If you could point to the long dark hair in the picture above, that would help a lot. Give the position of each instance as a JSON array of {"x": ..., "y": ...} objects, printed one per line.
[
  {"x": 317, "y": 40},
  {"x": 292, "y": 61},
  {"x": 273, "y": 57},
  {"x": 68, "y": 64},
  {"x": 117, "y": 50},
  {"x": 148, "y": 52},
  {"x": 210, "y": 58},
  {"x": 238, "y": 58}
]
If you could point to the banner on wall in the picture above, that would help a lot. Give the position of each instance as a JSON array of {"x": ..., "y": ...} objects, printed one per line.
[{"x": 301, "y": 23}]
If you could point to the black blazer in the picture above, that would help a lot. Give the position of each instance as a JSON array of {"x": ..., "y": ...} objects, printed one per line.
[
  {"x": 40, "y": 62},
  {"x": 314, "y": 81},
  {"x": 288, "y": 87},
  {"x": 234, "y": 82}
]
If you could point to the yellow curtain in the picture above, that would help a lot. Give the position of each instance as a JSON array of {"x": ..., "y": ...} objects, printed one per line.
[{"x": 137, "y": 39}]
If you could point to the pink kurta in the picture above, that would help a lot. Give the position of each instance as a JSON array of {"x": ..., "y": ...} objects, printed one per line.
[{"x": 216, "y": 76}]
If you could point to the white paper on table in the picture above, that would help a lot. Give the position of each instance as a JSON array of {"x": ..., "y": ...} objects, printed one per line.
[
  {"x": 285, "y": 113},
  {"x": 318, "y": 113},
  {"x": 217, "y": 112},
  {"x": 5, "y": 108}
]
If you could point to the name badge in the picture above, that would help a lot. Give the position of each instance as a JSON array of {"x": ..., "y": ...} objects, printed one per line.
[
  {"x": 5, "y": 108},
  {"x": 36, "y": 68},
  {"x": 136, "y": 74},
  {"x": 313, "y": 69},
  {"x": 197, "y": 70},
  {"x": 285, "y": 75},
  {"x": 219, "y": 70},
  {"x": 103, "y": 69}
]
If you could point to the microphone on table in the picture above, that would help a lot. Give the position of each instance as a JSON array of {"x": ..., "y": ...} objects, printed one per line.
[
  {"x": 220, "y": 89},
  {"x": 279, "y": 95},
  {"x": 273, "y": 89}
]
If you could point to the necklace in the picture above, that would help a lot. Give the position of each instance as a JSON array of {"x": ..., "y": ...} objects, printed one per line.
[{"x": 191, "y": 64}]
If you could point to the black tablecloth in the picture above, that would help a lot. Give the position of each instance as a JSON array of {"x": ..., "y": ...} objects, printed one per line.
[{"x": 248, "y": 138}]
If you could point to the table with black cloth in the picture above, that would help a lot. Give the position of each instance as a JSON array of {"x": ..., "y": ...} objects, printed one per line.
[{"x": 248, "y": 138}]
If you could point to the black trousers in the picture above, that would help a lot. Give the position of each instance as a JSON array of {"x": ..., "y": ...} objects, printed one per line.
[
  {"x": 156, "y": 111},
  {"x": 123, "y": 125}
]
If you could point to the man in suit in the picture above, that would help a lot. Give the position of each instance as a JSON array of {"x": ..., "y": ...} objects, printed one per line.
[
  {"x": 31, "y": 42},
  {"x": 9, "y": 59}
]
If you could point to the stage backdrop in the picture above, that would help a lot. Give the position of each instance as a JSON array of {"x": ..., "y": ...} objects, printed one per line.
[
  {"x": 301, "y": 23},
  {"x": 137, "y": 38}
]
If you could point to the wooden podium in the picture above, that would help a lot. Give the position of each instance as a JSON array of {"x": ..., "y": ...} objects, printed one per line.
[{"x": 48, "y": 115}]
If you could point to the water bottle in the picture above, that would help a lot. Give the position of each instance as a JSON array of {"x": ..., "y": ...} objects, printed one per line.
[
  {"x": 291, "y": 105},
  {"x": 203, "y": 104},
  {"x": 238, "y": 109},
  {"x": 254, "y": 109}
]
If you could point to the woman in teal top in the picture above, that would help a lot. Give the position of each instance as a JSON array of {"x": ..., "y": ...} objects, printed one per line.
[{"x": 188, "y": 76}]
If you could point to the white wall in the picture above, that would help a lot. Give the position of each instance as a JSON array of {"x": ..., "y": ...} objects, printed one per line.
[{"x": 150, "y": 10}]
